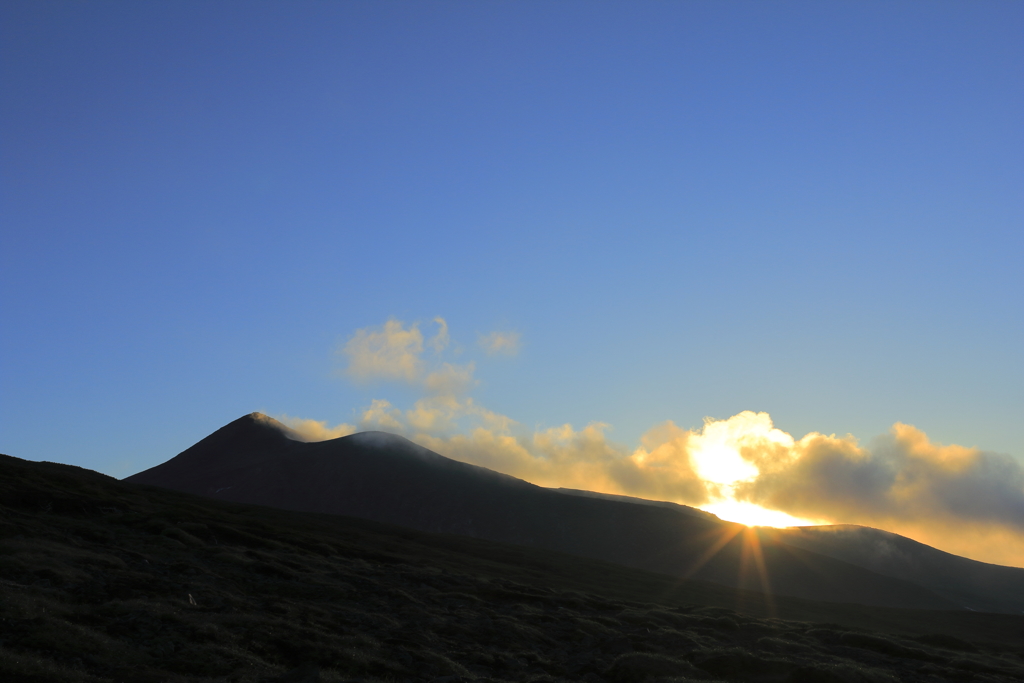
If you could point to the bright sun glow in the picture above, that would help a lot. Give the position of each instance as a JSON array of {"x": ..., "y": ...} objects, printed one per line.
[
  {"x": 716, "y": 449},
  {"x": 754, "y": 515},
  {"x": 716, "y": 454}
]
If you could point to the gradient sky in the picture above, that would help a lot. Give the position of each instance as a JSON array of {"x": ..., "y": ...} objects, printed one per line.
[{"x": 691, "y": 209}]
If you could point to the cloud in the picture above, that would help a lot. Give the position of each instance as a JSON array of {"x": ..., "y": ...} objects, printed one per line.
[
  {"x": 959, "y": 499},
  {"x": 315, "y": 430},
  {"x": 902, "y": 475},
  {"x": 382, "y": 416},
  {"x": 395, "y": 352},
  {"x": 433, "y": 414},
  {"x": 439, "y": 342},
  {"x": 500, "y": 343},
  {"x": 390, "y": 352},
  {"x": 574, "y": 459},
  {"x": 439, "y": 414},
  {"x": 450, "y": 379},
  {"x": 557, "y": 456}
]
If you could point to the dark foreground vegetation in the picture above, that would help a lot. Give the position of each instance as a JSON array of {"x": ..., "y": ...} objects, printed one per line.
[{"x": 106, "y": 581}]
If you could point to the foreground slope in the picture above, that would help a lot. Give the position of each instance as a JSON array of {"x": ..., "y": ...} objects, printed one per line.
[
  {"x": 386, "y": 478},
  {"x": 105, "y": 581}
]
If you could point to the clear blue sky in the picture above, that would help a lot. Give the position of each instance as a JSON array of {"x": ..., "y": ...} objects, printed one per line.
[{"x": 686, "y": 209}]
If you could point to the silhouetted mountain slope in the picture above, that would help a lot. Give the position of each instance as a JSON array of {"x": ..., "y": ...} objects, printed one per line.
[
  {"x": 976, "y": 585},
  {"x": 386, "y": 478},
  {"x": 979, "y": 586},
  {"x": 104, "y": 581},
  {"x": 684, "y": 509}
]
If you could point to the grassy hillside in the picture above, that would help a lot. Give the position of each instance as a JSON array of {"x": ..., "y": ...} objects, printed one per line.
[{"x": 106, "y": 581}]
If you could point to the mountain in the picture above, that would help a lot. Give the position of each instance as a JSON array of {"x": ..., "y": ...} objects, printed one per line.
[
  {"x": 684, "y": 509},
  {"x": 102, "y": 580},
  {"x": 976, "y": 585},
  {"x": 386, "y": 478}
]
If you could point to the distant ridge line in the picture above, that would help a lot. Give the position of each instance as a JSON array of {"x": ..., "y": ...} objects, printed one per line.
[{"x": 387, "y": 478}]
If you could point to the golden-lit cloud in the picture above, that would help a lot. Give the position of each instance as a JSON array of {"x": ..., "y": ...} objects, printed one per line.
[
  {"x": 450, "y": 379},
  {"x": 316, "y": 430},
  {"x": 557, "y": 456},
  {"x": 395, "y": 352},
  {"x": 500, "y": 343},
  {"x": 960, "y": 499},
  {"x": 391, "y": 351},
  {"x": 383, "y": 416},
  {"x": 571, "y": 458},
  {"x": 742, "y": 468}
]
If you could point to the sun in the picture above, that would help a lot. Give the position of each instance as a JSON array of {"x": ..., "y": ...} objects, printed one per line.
[
  {"x": 754, "y": 515},
  {"x": 716, "y": 453}
]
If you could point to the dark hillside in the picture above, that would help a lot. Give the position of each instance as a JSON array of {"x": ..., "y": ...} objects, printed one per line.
[
  {"x": 685, "y": 509},
  {"x": 977, "y": 585},
  {"x": 386, "y": 478},
  {"x": 107, "y": 581}
]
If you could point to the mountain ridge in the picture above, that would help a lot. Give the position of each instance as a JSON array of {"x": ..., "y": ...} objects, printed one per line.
[
  {"x": 104, "y": 580},
  {"x": 977, "y": 585},
  {"x": 386, "y": 478}
]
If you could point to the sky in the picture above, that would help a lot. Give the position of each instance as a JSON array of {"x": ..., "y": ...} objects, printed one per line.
[{"x": 656, "y": 236}]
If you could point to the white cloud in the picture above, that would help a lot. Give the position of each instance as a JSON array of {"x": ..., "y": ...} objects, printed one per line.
[
  {"x": 390, "y": 352},
  {"x": 500, "y": 343}
]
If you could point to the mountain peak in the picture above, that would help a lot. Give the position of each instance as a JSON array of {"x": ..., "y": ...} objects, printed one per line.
[
  {"x": 261, "y": 418},
  {"x": 250, "y": 439}
]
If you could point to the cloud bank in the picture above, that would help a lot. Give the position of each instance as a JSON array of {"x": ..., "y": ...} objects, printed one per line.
[{"x": 959, "y": 499}]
